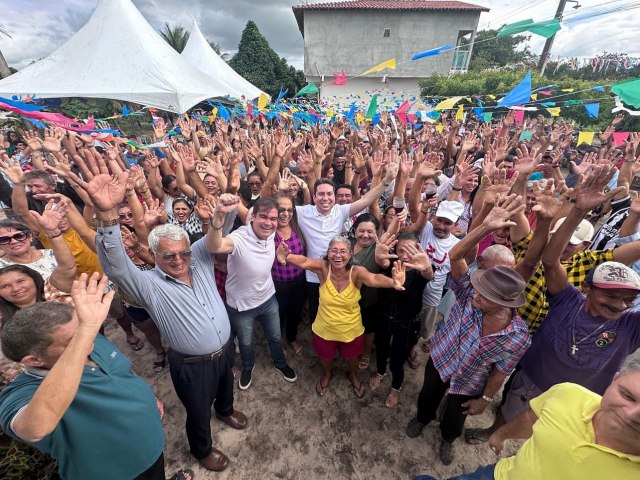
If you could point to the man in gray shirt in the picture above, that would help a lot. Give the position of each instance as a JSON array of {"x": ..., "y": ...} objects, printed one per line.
[{"x": 181, "y": 297}]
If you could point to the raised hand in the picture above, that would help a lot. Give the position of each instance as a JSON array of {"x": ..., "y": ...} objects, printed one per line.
[
  {"x": 504, "y": 209},
  {"x": 588, "y": 161},
  {"x": 589, "y": 189},
  {"x": 12, "y": 169},
  {"x": 106, "y": 191},
  {"x": 159, "y": 128},
  {"x": 418, "y": 259},
  {"x": 152, "y": 213},
  {"x": 384, "y": 244},
  {"x": 548, "y": 203},
  {"x": 227, "y": 203},
  {"x": 52, "y": 139},
  {"x": 185, "y": 127},
  {"x": 203, "y": 210},
  {"x": 129, "y": 239},
  {"x": 528, "y": 160},
  {"x": 52, "y": 215},
  {"x": 91, "y": 303},
  {"x": 33, "y": 140},
  {"x": 497, "y": 184},
  {"x": 398, "y": 273}
]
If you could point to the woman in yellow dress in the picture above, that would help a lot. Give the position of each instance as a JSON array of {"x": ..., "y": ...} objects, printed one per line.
[{"x": 338, "y": 325}]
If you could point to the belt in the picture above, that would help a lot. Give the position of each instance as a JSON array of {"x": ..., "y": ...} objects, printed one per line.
[{"x": 197, "y": 358}]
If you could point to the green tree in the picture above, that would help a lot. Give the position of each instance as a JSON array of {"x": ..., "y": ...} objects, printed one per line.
[
  {"x": 176, "y": 36},
  {"x": 500, "y": 82},
  {"x": 260, "y": 64},
  {"x": 489, "y": 51}
]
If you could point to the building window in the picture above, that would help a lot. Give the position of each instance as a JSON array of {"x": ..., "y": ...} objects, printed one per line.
[
  {"x": 461, "y": 55},
  {"x": 387, "y": 33}
]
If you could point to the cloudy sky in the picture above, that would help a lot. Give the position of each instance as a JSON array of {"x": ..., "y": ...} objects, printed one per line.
[{"x": 38, "y": 27}]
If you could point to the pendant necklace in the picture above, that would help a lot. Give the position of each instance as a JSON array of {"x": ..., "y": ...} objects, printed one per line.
[{"x": 574, "y": 346}]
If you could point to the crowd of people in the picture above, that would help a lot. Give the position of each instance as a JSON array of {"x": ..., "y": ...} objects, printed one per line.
[{"x": 513, "y": 263}]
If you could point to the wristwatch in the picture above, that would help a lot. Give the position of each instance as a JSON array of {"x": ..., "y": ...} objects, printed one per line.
[{"x": 487, "y": 399}]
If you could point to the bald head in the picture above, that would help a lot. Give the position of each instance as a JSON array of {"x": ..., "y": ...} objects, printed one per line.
[{"x": 496, "y": 255}]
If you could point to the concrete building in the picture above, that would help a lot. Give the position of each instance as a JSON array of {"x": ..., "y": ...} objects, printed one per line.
[{"x": 357, "y": 35}]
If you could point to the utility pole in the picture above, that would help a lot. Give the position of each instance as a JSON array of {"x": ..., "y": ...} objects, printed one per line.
[{"x": 544, "y": 57}]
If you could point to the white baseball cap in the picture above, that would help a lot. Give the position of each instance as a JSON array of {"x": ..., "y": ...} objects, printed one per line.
[
  {"x": 584, "y": 232},
  {"x": 450, "y": 210}
]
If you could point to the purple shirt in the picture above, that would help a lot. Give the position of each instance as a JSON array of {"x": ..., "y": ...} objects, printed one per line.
[
  {"x": 549, "y": 361},
  {"x": 288, "y": 272}
]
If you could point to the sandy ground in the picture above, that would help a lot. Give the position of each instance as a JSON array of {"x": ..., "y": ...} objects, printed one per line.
[{"x": 294, "y": 434}]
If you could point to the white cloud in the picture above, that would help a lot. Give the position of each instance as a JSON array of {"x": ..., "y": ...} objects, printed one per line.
[{"x": 38, "y": 27}]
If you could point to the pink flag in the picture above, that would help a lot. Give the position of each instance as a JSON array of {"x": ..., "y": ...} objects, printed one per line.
[
  {"x": 518, "y": 116},
  {"x": 341, "y": 79},
  {"x": 619, "y": 138}
]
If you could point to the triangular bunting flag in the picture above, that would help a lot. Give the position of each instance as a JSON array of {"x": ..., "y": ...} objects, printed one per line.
[
  {"x": 381, "y": 66},
  {"x": 585, "y": 137},
  {"x": 519, "y": 95},
  {"x": 592, "y": 109},
  {"x": 619, "y": 138}
]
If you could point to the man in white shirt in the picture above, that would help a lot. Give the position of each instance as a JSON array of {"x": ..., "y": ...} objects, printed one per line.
[
  {"x": 324, "y": 220},
  {"x": 249, "y": 287},
  {"x": 437, "y": 240}
]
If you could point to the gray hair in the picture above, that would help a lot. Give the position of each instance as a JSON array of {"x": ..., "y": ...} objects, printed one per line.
[
  {"x": 340, "y": 239},
  {"x": 631, "y": 364},
  {"x": 29, "y": 331},
  {"x": 498, "y": 253},
  {"x": 172, "y": 232}
]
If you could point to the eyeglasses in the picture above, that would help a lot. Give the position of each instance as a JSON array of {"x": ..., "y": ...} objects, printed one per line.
[
  {"x": 171, "y": 257},
  {"x": 18, "y": 237},
  {"x": 335, "y": 251},
  {"x": 124, "y": 216},
  {"x": 282, "y": 211}
]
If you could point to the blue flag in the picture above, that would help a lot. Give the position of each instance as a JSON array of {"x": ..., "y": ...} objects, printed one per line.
[
  {"x": 592, "y": 109},
  {"x": 520, "y": 95}
]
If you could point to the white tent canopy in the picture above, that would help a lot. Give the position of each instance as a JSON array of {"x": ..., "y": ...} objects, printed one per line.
[
  {"x": 117, "y": 55},
  {"x": 199, "y": 54}
]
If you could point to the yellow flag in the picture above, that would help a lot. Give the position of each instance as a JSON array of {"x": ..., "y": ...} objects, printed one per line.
[
  {"x": 534, "y": 96},
  {"x": 567, "y": 90},
  {"x": 381, "y": 66},
  {"x": 330, "y": 113},
  {"x": 439, "y": 128},
  {"x": 585, "y": 137},
  {"x": 262, "y": 101},
  {"x": 492, "y": 97},
  {"x": 554, "y": 111},
  {"x": 448, "y": 103},
  {"x": 214, "y": 114},
  {"x": 460, "y": 113},
  {"x": 359, "y": 118}
]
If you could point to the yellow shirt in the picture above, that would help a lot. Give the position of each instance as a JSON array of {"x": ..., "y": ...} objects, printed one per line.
[
  {"x": 563, "y": 444},
  {"x": 86, "y": 259},
  {"x": 338, "y": 316}
]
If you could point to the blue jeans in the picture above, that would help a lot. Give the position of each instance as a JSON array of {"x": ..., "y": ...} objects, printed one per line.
[
  {"x": 482, "y": 473},
  {"x": 242, "y": 324}
]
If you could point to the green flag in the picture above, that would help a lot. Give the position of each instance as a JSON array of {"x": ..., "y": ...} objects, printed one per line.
[
  {"x": 628, "y": 91},
  {"x": 373, "y": 107},
  {"x": 545, "y": 29},
  {"x": 309, "y": 89}
]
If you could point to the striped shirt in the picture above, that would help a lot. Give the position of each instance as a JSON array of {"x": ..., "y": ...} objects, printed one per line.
[{"x": 463, "y": 356}]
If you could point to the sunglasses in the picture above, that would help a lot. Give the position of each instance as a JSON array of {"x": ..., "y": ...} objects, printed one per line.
[
  {"x": 124, "y": 216},
  {"x": 170, "y": 257},
  {"x": 18, "y": 237}
]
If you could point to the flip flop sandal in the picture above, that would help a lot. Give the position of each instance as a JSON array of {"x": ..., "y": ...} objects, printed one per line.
[
  {"x": 358, "y": 391},
  {"x": 321, "y": 389},
  {"x": 183, "y": 474},
  {"x": 389, "y": 403},
  {"x": 375, "y": 381},
  {"x": 363, "y": 363},
  {"x": 473, "y": 436},
  {"x": 159, "y": 366},
  {"x": 137, "y": 345}
]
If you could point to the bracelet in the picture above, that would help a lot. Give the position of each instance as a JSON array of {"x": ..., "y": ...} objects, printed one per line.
[
  {"x": 55, "y": 235},
  {"x": 217, "y": 228},
  {"x": 487, "y": 399},
  {"x": 205, "y": 223},
  {"x": 107, "y": 223},
  {"x": 348, "y": 165},
  {"x": 456, "y": 189},
  {"x": 136, "y": 249}
]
